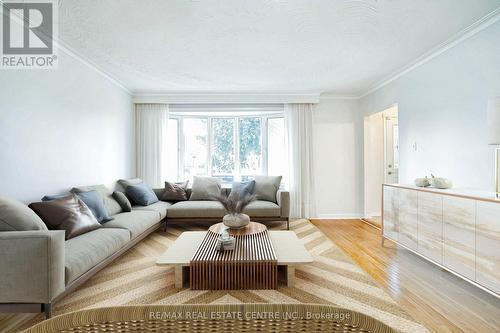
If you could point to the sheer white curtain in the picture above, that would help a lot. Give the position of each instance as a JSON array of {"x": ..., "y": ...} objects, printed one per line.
[
  {"x": 299, "y": 142},
  {"x": 151, "y": 136}
]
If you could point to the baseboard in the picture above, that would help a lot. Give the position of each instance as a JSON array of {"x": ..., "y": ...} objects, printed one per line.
[{"x": 339, "y": 216}]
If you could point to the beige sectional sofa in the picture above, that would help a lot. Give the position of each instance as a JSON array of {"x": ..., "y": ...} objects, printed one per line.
[{"x": 39, "y": 267}]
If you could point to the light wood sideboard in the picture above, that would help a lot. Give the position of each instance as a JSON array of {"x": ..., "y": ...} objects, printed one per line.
[{"x": 458, "y": 230}]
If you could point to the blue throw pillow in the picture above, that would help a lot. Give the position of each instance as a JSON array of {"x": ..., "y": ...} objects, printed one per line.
[
  {"x": 245, "y": 188},
  {"x": 141, "y": 194},
  {"x": 94, "y": 201}
]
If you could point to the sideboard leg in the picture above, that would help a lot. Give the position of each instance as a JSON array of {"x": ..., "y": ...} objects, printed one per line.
[{"x": 382, "y": 241}]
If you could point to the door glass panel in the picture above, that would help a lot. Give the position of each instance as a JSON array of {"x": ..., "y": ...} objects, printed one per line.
[{"x": 395, "y": 140}]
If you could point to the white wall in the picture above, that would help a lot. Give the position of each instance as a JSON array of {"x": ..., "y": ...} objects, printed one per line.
[
  {"x": 337, "y": 158},
  {"x": 60, "y": 128},
  {"x": 442, "y": 107}
]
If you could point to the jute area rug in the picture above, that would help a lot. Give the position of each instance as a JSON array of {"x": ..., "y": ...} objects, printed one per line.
[{"x": 134, "y": 278}]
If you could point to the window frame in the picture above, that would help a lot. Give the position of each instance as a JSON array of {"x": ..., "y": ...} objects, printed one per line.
[{"x": 264, "y": 118}]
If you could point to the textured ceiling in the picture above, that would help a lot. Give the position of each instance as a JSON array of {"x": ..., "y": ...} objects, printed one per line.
[{"x": 339, "y": 46}]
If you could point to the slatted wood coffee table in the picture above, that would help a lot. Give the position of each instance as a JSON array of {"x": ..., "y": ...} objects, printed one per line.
[
  {"x": 251, "y": 265},
  {"x": 288, "y": 249}
]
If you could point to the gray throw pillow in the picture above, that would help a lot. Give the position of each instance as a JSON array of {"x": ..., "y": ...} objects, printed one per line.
[
  {"x": 205, "y": 188},
  {"x": 95, "y": 203},
  {"x": 123, "y": 201},
  {"x": 132, "y": 181},
  {"x": 69, "y": 214},
  {"x": 245, "y": 188},
  {"x": 175, "y": 191},
  {"x": 266, "y": 187},
  {"x": 112, "y": 206},
  {"x": 16, "y": 216},
  {"x": 141, "y": 194}
]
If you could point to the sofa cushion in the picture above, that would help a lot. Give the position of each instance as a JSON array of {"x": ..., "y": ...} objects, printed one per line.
[
  {"x": 112, "y": 206},
  {"x": 205, "y": 188},
  {"x": 94, "y": 201},
  {"x": 160, "y": 207},
  {"x": 69, "y": 214},
  {"x": 262, "y": 208},
  {"x": 191, "y": 209},
  {"x": 141, "y": 194},
  {"x": 266, "y": 187},
  {"x": 136, "y": 221},
  {"x": 87, "y": 250},
  {"x": 16, "y": 216}
]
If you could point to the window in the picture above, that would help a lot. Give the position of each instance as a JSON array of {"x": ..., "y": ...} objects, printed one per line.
[
  {"x": 250, "y": 146},
  {"x": 229, "y": 146},
  {"x": 222, "y": 153},
  {"x": 395, "y": 141},
  {"x": 195, "y": 132}
]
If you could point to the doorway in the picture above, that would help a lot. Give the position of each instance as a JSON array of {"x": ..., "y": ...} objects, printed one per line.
[{"x": 381, "y": 159}]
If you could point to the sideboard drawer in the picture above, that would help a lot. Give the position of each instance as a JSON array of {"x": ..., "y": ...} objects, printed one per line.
[
  {"x": 391, "y": 212},
  {"x": 459, "y": 236},
  {"x": 430, "y": 226},
  {"x": 408, "y": 218},
  {"x": 488, "y": 245}
]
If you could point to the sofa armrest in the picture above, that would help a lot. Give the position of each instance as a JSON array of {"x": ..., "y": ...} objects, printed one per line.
[
  {"x": 283, "y": 200},
  {"x": 31, "y": 266}
]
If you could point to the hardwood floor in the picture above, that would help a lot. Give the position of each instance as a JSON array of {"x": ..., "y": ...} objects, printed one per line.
[{"x": 438, "y": 299}]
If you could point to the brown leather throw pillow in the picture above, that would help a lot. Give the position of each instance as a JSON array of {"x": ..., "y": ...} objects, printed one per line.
[
  {"x": 175, "y": 191},
  {"x": 68, "y": 213}
]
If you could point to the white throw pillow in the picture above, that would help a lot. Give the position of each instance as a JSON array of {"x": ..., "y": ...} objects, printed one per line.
[
  {"x": 266, "y": 187},
  {"x": 205, "y": 188}
]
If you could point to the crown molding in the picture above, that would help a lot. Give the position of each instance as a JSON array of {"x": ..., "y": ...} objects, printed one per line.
[
  {"x": 224, "y": 97},
  {"x": 456, "y": 39},
  {"x": 327, "y": 96},
  {"x": 62, "y": 46}
]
